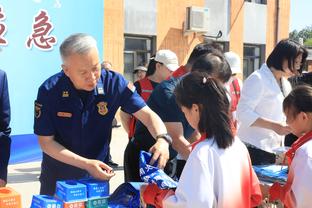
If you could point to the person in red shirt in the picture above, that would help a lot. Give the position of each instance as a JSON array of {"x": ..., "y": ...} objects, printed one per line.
[
  {"x": 140, "y": 72},
  {"x": 234, "y": 84}
]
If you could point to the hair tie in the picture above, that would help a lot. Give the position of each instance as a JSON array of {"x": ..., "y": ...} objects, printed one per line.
[{"x": 204, "y": 80}]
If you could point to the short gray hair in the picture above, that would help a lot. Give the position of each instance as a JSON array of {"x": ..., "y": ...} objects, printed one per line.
[{"x": 79, "y": 43}]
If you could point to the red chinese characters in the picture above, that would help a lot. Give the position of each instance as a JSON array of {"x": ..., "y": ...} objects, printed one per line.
[
  {"x": 3, "y": 28},
  {"x": 41, "y": 37}
]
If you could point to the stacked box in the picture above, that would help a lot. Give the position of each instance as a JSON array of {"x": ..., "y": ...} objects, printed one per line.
[
  {"x": 101, "y": 202},
  {"x": 78, "y": 204},
  {"x": 10, "y": 198},
  {"x": 98, "y": 193},
  {"x": 96, "y": 188},
  {"x": 44, "y": 201},
  {"x": 71, "y": 191}
]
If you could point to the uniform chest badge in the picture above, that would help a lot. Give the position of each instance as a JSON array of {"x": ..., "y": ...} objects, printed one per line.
[{"x": 102, "y": 108}]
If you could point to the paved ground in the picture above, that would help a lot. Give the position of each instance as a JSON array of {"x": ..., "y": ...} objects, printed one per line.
[{"x": 24, "y": 177}]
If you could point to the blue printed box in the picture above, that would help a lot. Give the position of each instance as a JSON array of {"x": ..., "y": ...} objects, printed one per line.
[
  {"x": 71, "y": 190},
  {"x": 96, "y": 188},
  {"x": 44, "y": 201},
  {"x": 101, "y": 202}
]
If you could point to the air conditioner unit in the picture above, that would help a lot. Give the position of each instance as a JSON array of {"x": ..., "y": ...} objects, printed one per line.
[{"x": 196, "y": 19}]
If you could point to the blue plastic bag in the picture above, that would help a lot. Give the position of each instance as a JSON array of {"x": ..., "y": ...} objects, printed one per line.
[
  {"x": 271, "y": 173},
  {"x": 127, "y": 195},
  {"x": 152, "y": 174}
]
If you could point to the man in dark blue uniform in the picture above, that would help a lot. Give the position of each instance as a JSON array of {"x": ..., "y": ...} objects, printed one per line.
[
  {"x": 5, "y": 130},
  {"x": 74, "y": 112}
]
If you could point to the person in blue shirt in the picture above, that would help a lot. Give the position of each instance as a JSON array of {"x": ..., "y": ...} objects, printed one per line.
[
  {"x": 74, "y": 112},
  {"x": 5, "y": 130},
  {"x": 162, "y": 101}
]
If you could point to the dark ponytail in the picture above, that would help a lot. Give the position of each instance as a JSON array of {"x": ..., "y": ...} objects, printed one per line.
[{"x": 211, "y": 97}]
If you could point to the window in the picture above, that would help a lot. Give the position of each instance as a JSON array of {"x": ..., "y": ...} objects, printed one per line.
[
  {"x": 253, "y": 58},
  {"x": 257, "y": 1},
  {"x": 137, "y": 52}
]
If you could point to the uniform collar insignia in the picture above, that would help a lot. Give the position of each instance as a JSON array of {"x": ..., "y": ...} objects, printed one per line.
[
  {"x": 99, "y": 87},
  {"x": 65, "y": 93}
]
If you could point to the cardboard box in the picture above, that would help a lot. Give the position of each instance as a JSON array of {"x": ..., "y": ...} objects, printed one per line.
[
  {"x": 71, "y": 191},
  {"x": 9, "y": 198},
  {"x": 97, "y": 203},
  {"x": 78, "y": 204},
  {"x": 45, "y": 201},
  {"x": 96, "y": 188}
]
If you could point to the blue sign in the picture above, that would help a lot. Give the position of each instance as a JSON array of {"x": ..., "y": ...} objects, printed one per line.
[{"x": 34, "y": 30}]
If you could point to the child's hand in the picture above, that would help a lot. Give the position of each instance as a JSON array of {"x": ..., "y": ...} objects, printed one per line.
[{"x": 142, "y": 202}]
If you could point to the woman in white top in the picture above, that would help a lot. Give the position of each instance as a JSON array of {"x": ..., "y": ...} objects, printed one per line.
[
  {"x": 261, "y": 122},
  {"x": 218, "y": 172}
]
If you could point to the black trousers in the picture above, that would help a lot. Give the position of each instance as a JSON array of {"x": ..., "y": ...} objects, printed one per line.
[
  {"x": 53, "y": 170},
  {"x": 131, "y": 163},
  {"x": 132, "y": 167},
  {"x": 5, "y": 149},
  {"x": 180, "y": 166},
  {"x": 290, "y": 139},
  {"x": 260, "y": 157}
]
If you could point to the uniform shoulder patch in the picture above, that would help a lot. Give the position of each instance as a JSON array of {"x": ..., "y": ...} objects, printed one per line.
[
  {"x": 38, "y": 107},
  {"x": 131, "y": 87}
]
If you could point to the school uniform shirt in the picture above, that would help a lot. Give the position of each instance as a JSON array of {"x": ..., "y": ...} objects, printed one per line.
[
  {"x": 81, "y": 121},
  {"x": 261, "y": 97},
  {"x": 301, "y": 188},
  {"x": 215, "y": 177}
]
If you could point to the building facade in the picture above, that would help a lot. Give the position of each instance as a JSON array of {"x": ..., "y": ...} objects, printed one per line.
[{"x": 135, "y": 29}]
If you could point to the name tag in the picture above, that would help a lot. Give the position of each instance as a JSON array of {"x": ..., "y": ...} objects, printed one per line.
[{"x": 64, "y": 114}]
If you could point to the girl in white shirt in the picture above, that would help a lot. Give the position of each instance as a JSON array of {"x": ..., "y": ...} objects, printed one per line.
[
  {"x": 298, "y": 189},
  {"x": 261, "y": 122},
  {"x": 218, "y": 172}
]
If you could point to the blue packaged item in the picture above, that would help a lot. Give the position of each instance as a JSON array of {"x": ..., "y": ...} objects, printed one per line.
[
  {"x": 96, "y": 188},
  {"x": 271, "y": 173},
  {"x": 127, "y": 195},
  {"x": 152, "y": 174},
  {"x": 45, "y": 201},
  {"x": 70, "y": 190},
  {"x": 101, "y": 202}
]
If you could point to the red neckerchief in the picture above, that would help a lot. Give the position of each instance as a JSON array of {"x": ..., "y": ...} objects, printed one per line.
[
  {"x": 290, "y": 154},
  {"x": 204, "y": 136}
]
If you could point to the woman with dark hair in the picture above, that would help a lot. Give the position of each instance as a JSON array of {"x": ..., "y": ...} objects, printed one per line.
[
  {"x": 261, "y": 122},
  {"x": 218, "y": 172},
  {"x": 297, "y": 191}
]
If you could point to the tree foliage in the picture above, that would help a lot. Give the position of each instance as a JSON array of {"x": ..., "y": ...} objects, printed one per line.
[{"x": 305, "y": 34}]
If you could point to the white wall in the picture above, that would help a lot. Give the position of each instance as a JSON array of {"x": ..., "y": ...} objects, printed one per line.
[
  {"x": 255, "y": 23},
  {"x": 218, "y": 18},
  {"x": 140, "y": 17}
]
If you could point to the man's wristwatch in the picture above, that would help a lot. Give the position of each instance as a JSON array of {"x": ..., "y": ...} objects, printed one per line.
[{"x": 166, "y": 137}]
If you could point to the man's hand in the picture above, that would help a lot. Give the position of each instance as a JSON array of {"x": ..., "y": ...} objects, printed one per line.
[
  {"x": 2, "y": 183},
  {"x": 160, "y": 151},
  {"x": 99, "y": 170}
]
